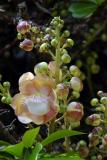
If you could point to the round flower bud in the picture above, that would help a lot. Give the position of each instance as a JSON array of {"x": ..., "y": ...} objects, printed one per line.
[
  {"x": 66, "y": 33},
  {"x": 97, "y": 131},
  {"x": 3, "y": 99},
  {"x": 27, "y": 45},
  {"x": 93, "y": 120},
  {"x": 79, "y": 63},
  {"x": 66, "y": 58},
  {"x": 82, "y": 76},
  {"x": 43, "y": 47},
  {"x": 74, "y": 70},
  {"x": 54, "y": 42},
  {"x": 64, "y": 51},
  {"x": 41, "y": 68},
  {"x": 81, "y": 143},
  {"x": 6, "y": 100},
  {"x": 76, "y": 84},
  {"x": 83, "y": 149},
  {"x": 93, "y": 140},
  {"x": 104, "y": 141},
  {"x": 99, "y": 157},
  {"x": 69, "y": 42},
  {"x": 6, "y": 85},
  {"x": 75, "y": 111},
  {"x": 48, "y": 30},
  {"x": 101, "y": 108},
  {"x": 95, "y": 68},
  {"x": 100, "y": 93},
  {"x": 62, "y": 91},
  {"x": 75, "y": 94},
  {"x": 19, "y": 36},
  {"x": 34, "y": 29},
  {"x": 90, "y": 60},
  {"x": 104, "y": 100},
  {"x": 94, "y": 102},
  {"x": 23, "y": 27}
]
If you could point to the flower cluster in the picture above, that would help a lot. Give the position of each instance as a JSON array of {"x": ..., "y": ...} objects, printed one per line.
[{"x": 54, "y": 88}]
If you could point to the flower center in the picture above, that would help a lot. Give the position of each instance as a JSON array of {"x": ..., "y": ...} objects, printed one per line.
[{"x": 38, "y": 105}]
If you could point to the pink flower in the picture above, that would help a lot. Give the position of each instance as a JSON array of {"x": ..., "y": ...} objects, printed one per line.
[{"x": 36, "y": 101}]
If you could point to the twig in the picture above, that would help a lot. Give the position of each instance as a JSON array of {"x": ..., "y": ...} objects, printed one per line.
[{"x": 6, "y": 134}]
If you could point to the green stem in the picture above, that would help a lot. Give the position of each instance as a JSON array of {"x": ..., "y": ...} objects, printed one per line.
[
  {"x": 57, "y": 70},
  {"x": 67, "y": 141}
]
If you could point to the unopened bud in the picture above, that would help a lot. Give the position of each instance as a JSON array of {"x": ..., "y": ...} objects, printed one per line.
[
  {"x": 95, "y": 68},
  {"x": 66, "y": 58},
  {"x": 35, "y": 29},
  {"x": 104, "y": 141},
  {"x": 66, "y": 33},
  {"x": 62, "y": 91},
  {"x": 75, "y": 111},
  {"x": 3, "y": 99},
  {"x": 93, "y": 120},
  {"x": 44, "y": 47},
  {"x": 101, "y": 108},
  {"x": 27, "y": 45},
  {"x": 69, "y": 42},
  {"x": 75, "y": 94},
  {"x": 94, "y": 102},
  {"x": 74, "y": 70},
  {"x": 6, "y": 85},
  {"x": 83, "y": 149},
  {"x": 93, "y": 140},
  {"x": 104, "y": 100},
  {"x": 23, "y": 27},
  {"x": 41, "y": 68},
  {"x": 19, "y": 36},
  {"x": 54, "y": 42},
  {"x": 76, "y": 84}
]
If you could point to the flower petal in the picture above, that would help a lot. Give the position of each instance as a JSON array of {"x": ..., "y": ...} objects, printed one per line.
[
  {"x": 27, "y": 87},
  {"x": 37, "y": 105},
  {"x": 24, "y": 119},
  {"x": 17, "y": 104},
  {"x": 26, "y": 76},
  {"x": 51, "y": 114}
]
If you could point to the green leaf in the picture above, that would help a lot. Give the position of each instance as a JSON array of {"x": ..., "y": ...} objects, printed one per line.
[
  {"x": 15, "y": 150},
  {"x": 3, "y": 144},
  {"x": 98, "y": 2},
  {"x": 82, "y": 9},
  {"x": 35, "y": 152},
  {"x": 64, "y": 157},
  {"x": 29, "y": 137},
  {"x": 58, "y": 135}
]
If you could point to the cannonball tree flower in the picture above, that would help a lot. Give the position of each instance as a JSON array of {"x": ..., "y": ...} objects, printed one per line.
[
  {"x": 23, "y": 27},
  {"x": 36, "y": 101},
  {"x": 75, "y": 111}
]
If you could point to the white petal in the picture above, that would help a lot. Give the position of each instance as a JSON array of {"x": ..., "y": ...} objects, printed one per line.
[
  {"x": 24, "y": 119},
  {"x": 26, "y": 76},
  {"x": 37, "y": 105}
]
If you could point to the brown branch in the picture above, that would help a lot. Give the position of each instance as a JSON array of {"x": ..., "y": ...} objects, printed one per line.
[{"x": 6, "y": 134}]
